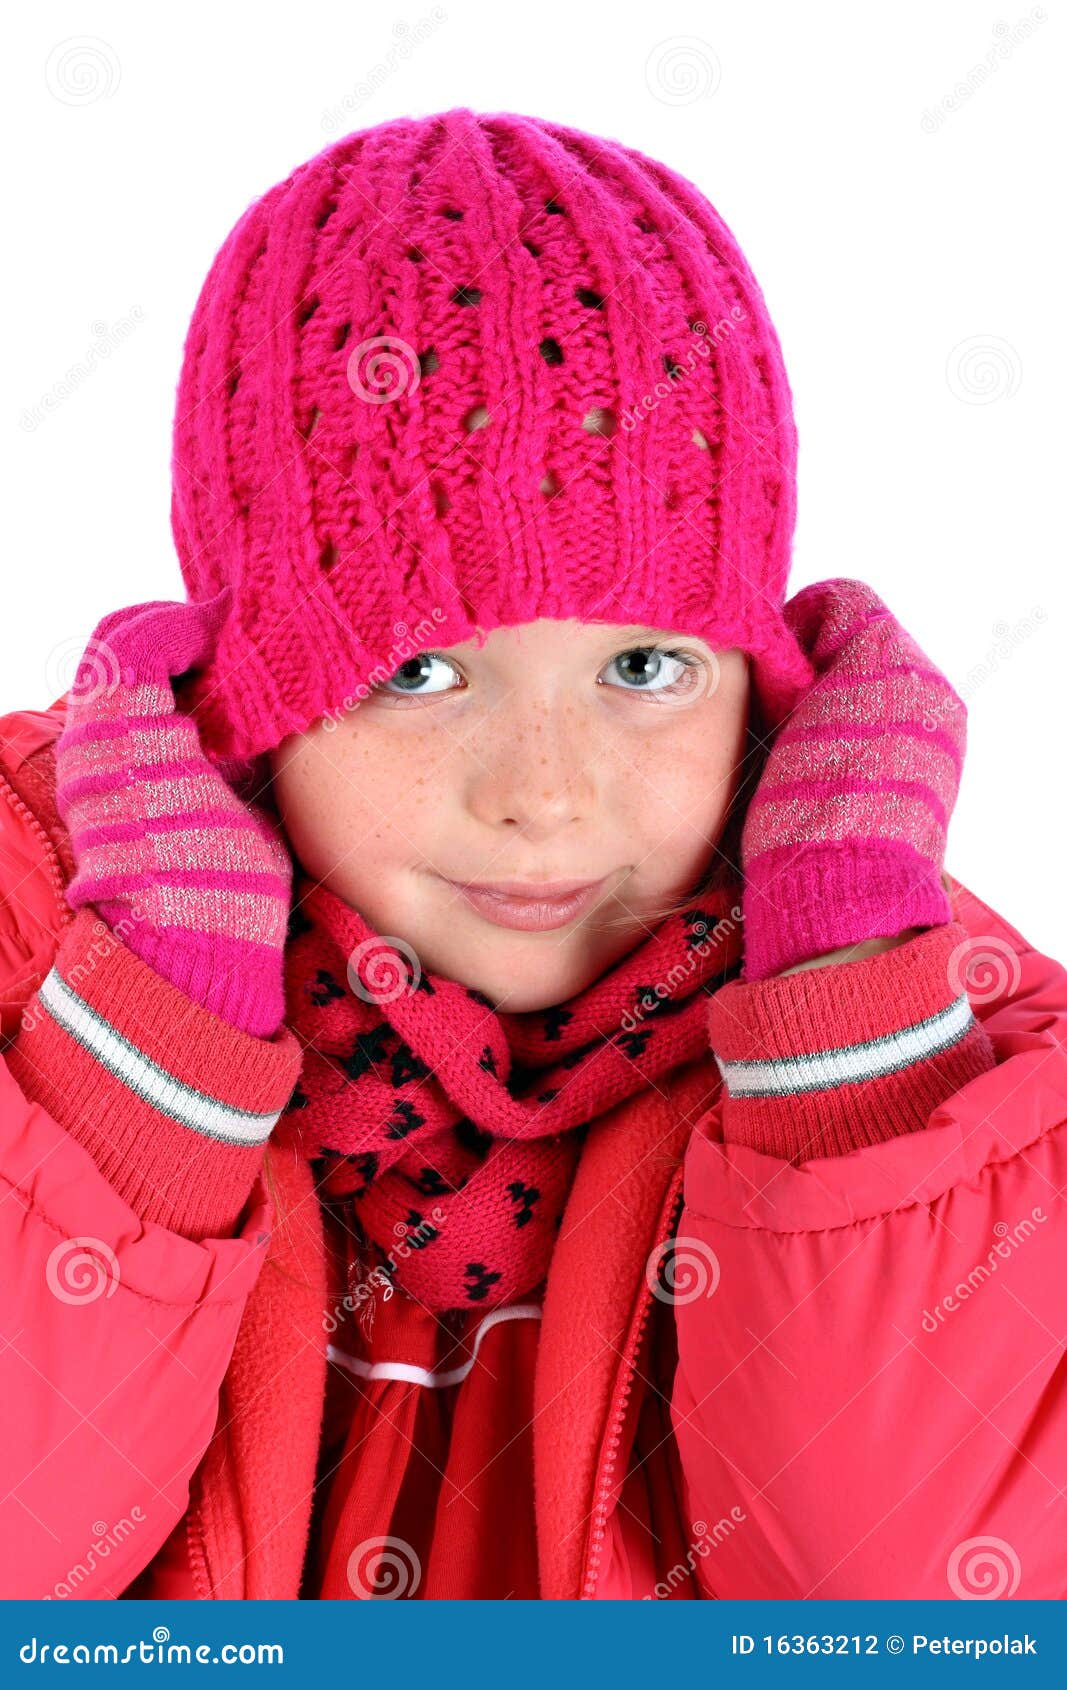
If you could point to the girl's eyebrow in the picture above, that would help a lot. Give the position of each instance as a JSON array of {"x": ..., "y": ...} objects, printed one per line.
[
  {"x": 643, "y": 628},
  {"x": 617, "y": 630}
]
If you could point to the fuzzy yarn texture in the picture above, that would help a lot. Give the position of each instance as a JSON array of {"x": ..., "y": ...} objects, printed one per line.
[
  {"x": 453, "y": 1128},
  {"x": 468, "y": 370},
  {"x": 844, "y": 839},
  {"x": 196, "y": 881}
]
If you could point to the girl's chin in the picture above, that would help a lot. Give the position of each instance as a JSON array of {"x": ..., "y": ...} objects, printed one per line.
[
  {"x": 517, "y": 998},
  {"x": 520, "y": 971}
]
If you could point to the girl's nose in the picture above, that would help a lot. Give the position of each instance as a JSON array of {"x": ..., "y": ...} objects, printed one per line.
[{"x": 531, "y": 768}]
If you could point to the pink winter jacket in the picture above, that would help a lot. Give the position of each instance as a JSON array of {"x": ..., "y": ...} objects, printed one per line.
[{"x": 855, "y": 1388}]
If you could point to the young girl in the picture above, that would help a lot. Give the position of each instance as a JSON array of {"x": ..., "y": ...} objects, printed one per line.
[{"x": 500, "y": 1098}]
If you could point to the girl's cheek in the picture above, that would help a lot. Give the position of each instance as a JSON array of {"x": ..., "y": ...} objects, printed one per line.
[{"x": 694, "y": 779}]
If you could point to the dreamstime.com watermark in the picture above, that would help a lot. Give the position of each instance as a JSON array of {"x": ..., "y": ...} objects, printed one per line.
[
  {"x": 983, "y": 1569},
  {"x": 360, "y": 1301},
  {"x": 413, "y": 641},
  {"x": 1008, "y": 637},
  {"x": 984, "y": 966},
  {"x": 406, "y": 37},
  {"x": 383, "y": 369},
  {"x": 982, "y": 369},
  {"x": 682, "y": 1270},
  {"x": 682, "y": 69},
  {"x": 107, "y": 338},
  {"x": 157, "y": 1650},
  {"x": 81, "y": 70},
  {"x": 661, "y": 989},
  {"x": 108, "y": 940},
  {"x": 386, "y": 1568},
  {"x": 82, "y": 1270},
  {"x": 89, "y": 670},
  {"x": 1007, "y": 38},
  {"x": 680, "y": 368},
  {"x": 383, "y": 968},
  {"x": 413, "y": 1234},
  {"x": 1008, "y": 1240},
  {"x": 105, "y": 1538},
  {"x": 704, "y": 1541}
]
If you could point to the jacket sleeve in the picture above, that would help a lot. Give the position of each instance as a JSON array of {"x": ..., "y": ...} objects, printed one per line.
[
  {"x": 870, "y": 1398},
  {"x": 133, "y": 1221}
]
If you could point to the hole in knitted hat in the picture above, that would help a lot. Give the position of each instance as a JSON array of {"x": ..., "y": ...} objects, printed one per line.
[
  {"x": 700, "y": 440},
  {"x": 441, "y": 500},
  {"x": 428, "y": 362},
  {"x": 308, "y": 309},
  {"x": 530, "y": 247},
  {"x": 466, "y": 296},
  {"x": 550, "y": 484},
  {"x": 670, "y": 362},
  {"x": 586, "y": 296},
  {"x": 234, "y": 379},
  {"x": 646, "y": 226},
  {"x": 415, "y": 255},
  {"x": 328, "y": 556},
  {"x": 551, "y": 351},
  {"x": 477, "y": 417},
  {"x": 599, "y": 421},
  {"x": 554, "y": 209},
  {"x": 342, "y": 334},
  {"x": 326, "y": 213},
  {"x": 313, "y": 423},
  {"x": 449, "y": 211}
]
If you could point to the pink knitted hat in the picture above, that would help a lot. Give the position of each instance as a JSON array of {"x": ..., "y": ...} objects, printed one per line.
[{"x": 467, "y": 370}]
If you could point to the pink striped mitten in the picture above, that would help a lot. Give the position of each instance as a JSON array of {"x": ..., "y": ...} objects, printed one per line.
[
  {"x": 194, "y": 880},
  {"x": 844, "y": 839}
]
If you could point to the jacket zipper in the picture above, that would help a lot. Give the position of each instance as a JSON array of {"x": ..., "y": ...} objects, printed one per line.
[
  {"x": 617, "y": 1413},
  {"x": 55, "y": 872},
  {"x": 196, "y": 1546}
]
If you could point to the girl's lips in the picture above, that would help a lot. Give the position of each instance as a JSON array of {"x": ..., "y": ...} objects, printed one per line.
[{"x": 528, "y": 911}]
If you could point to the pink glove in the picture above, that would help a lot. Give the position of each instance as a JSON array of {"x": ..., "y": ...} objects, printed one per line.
[
  {"x": 844, "y": 839},
  {"x": 192, "y": 879}
]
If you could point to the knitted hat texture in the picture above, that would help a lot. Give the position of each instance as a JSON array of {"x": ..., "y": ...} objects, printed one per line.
[{"x": 469, "y": 370}]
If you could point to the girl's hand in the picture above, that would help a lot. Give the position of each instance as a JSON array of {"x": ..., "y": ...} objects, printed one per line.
[
  {"x": 195, "y": 881},
  {"x": 844, "y": 839}
]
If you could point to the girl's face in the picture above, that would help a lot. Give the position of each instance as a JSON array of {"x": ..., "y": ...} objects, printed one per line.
[{"x": 555, "y": 751}]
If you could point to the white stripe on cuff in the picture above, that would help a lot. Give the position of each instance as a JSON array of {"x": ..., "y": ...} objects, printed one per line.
[
  {"x": 868, "y": 1060},
  {"x": 171, "y": 1096}
]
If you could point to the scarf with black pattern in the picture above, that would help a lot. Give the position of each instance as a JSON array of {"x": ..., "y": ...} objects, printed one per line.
[{"x": 453, "y": 1128}]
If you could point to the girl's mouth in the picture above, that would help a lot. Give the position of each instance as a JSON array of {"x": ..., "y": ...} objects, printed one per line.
[{"x": 539, "y": 908}]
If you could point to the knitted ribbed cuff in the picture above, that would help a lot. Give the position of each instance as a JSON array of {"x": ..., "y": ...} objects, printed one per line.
[
  {"x": 801, "y": 902},
  {"x": 173, "y": 1104},
  {"x": 824, "y": 1061},
  {"x": 239, "y": 981}
]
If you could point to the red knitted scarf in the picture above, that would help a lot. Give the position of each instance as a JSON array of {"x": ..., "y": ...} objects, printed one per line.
[{"x": 454, "y": 1128}]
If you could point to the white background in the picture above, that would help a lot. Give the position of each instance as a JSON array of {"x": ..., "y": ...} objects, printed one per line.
[{"x": 909, "y": 251}]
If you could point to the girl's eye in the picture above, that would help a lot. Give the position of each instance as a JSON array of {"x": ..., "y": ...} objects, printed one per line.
[
  {"x": 652, "y": 670},
  {"x": 655, "y": 669},
  {"x": 407, "y": 680}
]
